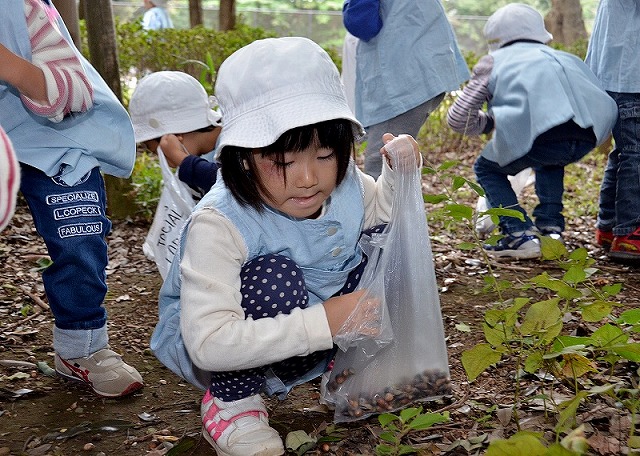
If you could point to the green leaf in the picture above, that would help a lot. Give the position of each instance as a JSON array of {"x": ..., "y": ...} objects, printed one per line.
[
  {"x": 299, "y": 441},
  {"x": 533, "y": 362},
  {"x": 467, "y": 246},
  {"x": 563, "y": 342},
  {"x": 596, "y": 311},
  {"x": 434, "y": 199},
  {"x": 608, "y": 335},
  {"x": 386, "y": 418},
  {"x": 567, "y": 417},
  {"x": 543, "y": 319},
  {"x": 552, "y": 249},
  {"x": 463, "y": 327},
  {"x": 612, "y": 289},
  {"x": 459, "y": 211},
  {"x": 426, "y": 420},
  {"x": 497, "y": 334},
  {"x": 520, "y": 444},
  {"x": 458, "y": 182},
  {"x": 389, "y": 437},
  {"x": 630, "y": 317},
  {"x": 628, "y": 351},
  {"x": 478, "y": 359},
  {"x": 476, "y": 188},
  {"x": 575, "y": 275},
  {"x": 406, "y": 449},
  {"x": 407, "y": 414},
  {"x": 185, "y": 444},
  {"x": 448, "y": 165},
  {"x": 383, "y": 450}
]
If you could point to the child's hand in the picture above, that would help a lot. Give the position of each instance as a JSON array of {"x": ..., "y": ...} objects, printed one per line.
[
  {"x": 173, "y": 150},
  {"x": 345, "y": 309},
  {"x": 406, "y": 147}
]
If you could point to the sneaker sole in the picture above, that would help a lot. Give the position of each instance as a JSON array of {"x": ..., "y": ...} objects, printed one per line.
[
  {"x": 624, "y": 257},
  {"x": 517, "y": 254},
  {"x": 129, "y": 390}
]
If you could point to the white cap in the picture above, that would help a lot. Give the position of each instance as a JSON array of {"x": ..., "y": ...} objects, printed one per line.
[
  {"x": 160, "y": 3},
  {"x": 167, "y": 102},
  {"x": 274, "y": 85},
  {"x": 515, "y": 21}
]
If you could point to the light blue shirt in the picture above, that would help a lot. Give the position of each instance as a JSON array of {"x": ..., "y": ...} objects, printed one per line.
[
  {"x": 535, "y": 88},
  {"x": 413, "y": 58},
  {"x": 614, "y": 47},
  {"x": 156, "y": 18}
]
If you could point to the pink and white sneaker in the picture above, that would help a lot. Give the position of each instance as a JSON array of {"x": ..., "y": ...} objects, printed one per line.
[{"x": 239, "y": 428}]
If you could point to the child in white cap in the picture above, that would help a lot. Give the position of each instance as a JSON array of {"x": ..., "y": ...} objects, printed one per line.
[
  {"x": 9, "y": 179},
  {"x": 270, "y": 257},
  {"x": 172, "y": 113},
  {"x": 156, "y": 16},
  {"x": 546, "y": 109}
]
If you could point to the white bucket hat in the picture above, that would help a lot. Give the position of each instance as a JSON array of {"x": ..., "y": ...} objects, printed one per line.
[
  {"x": 515, "y": 21},
  {"x": 167, "y": 102},
  {"x": 274, "y": 85}
]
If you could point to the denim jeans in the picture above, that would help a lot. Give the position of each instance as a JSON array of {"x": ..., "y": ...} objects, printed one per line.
[
  {"x": 548, "y": 160},
  {"x": 619, "y": 206},
  {"x": 73, "y": 225}
]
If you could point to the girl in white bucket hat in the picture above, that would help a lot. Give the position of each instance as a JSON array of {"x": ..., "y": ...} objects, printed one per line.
[{"x": 270, "y": 255}]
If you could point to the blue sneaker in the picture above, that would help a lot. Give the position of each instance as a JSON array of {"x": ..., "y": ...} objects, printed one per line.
[{"x": 521, "y": 245}]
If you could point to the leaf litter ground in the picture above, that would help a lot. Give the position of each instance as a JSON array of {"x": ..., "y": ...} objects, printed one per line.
[{"x": 44, "y": 415}]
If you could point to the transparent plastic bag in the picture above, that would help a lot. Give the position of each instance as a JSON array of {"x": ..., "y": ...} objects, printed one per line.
[
  {"x": 369, "y": 326},
  {"x": 414, "y": 365}
]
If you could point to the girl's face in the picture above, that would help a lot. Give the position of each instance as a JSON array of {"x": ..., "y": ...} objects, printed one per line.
[{"x": 310, "y": 178}]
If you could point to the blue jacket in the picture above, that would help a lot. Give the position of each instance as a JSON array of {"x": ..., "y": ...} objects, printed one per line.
[
  {"x": 614, "y": 50},
  {"x": 535, "y": 88},
  {"x": 102, "y": 136},
  {"x": 413, "y": 57}
]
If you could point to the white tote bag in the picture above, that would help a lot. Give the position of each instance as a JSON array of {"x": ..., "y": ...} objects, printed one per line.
[{"x": 175, "y": 205}]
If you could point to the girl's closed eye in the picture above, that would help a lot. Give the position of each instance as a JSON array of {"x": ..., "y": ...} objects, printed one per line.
[{"x": 330, "y": 156}]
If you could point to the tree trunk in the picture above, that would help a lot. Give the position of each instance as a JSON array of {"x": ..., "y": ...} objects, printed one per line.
[
  {"x": 68, "y": 10},
  {"x": 227, "y": 14},
  {"x": 564, "y": 21},
  {"x": 195, "y": 13},
  {"x": 103, "y": 50}
]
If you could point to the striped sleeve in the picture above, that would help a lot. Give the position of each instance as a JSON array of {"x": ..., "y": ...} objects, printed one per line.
[
  {"x": 9, "y": 180},
  {"x": 466, "y": 114},
  {"x": 68, "y": 88}
]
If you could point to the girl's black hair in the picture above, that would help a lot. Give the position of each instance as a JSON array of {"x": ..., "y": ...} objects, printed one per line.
[{"x": 336, "y": 135}]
